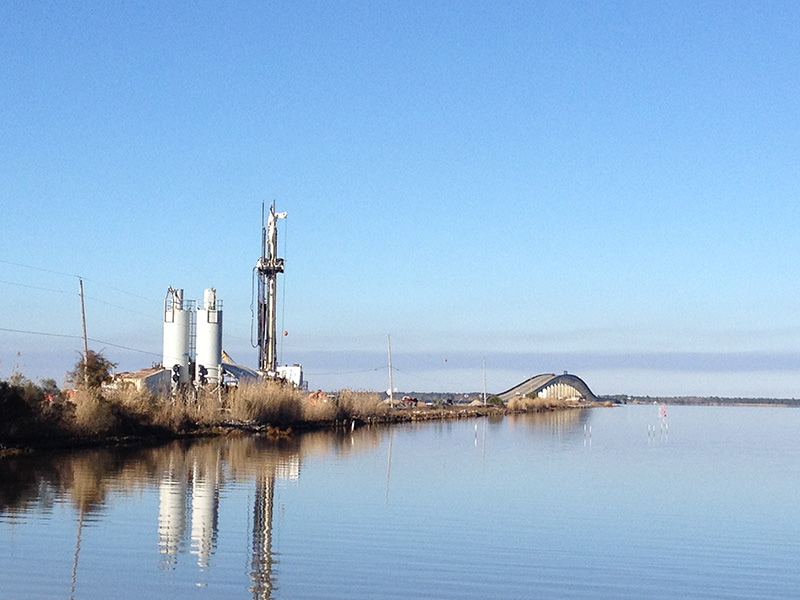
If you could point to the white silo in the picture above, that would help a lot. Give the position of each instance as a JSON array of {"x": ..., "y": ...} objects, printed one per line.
[
  {"x": 177, "y": 319},
  {"x": 209, "y": 339}
]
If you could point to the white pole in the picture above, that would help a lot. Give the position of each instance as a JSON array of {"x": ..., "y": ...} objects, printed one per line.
[
  {"x": 484, "y": 381},
  {"x": 391, "y": 385}
]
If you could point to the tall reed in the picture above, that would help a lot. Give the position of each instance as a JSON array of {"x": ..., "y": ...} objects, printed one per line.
[
  {"x": 264, "y": 402},
  {"x": 359, "y": 403}
]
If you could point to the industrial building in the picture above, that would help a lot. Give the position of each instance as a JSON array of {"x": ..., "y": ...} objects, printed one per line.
[{"x": 192, "y": 354}]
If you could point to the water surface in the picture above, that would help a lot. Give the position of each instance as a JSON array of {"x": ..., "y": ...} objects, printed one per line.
[{"x": 602, "y": 503}]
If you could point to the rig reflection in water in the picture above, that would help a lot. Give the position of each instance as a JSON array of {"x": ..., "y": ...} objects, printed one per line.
[
  {"x": 188, "y": 478},
  {"x": 189, "y": 492}
]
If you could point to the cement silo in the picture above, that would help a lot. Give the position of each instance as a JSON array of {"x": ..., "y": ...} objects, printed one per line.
[
  {"x": 208, "y": 339},
  {"x": 177, "y": 320}
]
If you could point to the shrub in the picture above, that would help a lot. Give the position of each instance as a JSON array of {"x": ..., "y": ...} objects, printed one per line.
[
  {"x": 92, "y": 371},
  {"x": 94, "y": 415},
  {"x": 28, "y": 411},
  {"x": 495, "y": 401},
  {"x": 18, "y": 415}
]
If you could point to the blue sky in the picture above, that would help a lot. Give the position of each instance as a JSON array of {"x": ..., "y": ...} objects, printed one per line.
[{"x": 608, "y": 188}]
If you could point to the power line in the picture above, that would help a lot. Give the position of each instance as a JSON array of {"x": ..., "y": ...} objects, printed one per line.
[
  {"x": 136, "y": 312},
  {"x": 124, "y": 347},
  {"x": 16, "y": 264},
  {"x": 94, "y": 281},
  {"x": 92, "y": 298},
  {"x": 317, "y": 373},
  {"x": 46, "y": 289},
  {"x": 36, "y": 287},
  {"x": 414, "y": 375},
  {"x": 78, "y": 337},
  {"x": 111, "y": 287},
  {"x": 62, "y": 335}
]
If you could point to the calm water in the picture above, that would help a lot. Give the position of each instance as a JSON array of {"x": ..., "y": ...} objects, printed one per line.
[{"x": 604, "y": 503}]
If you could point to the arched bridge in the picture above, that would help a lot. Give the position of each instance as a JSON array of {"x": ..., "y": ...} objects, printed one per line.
[{"x": 550, "y": 385}]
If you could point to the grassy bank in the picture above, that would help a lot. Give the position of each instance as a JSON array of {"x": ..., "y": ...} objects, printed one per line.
[
  {"x": 35, "y": 415},
  {"x": 42, "y": 416}
]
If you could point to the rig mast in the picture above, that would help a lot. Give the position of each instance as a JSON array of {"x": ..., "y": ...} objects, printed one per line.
[{"x": 268, "y": 267}]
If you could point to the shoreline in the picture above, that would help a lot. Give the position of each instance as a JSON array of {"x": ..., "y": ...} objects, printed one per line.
[
  {"x": 156, "y": 435},
  {"x": 397, "y": 416}
]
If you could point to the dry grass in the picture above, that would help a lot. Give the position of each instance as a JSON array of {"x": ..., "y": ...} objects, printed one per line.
[
  {"x": 94, "y": 415},
  {"x": 147, "y": 408},
  {"x": 535, "y": 404},
  {"x": 136, "y": 402},
  {"x": 265, "y": 402},
  {"x": 128, "y": 411},
  {"x": 316, "y": 406},
  {"x": 206, "y": 408},
  {"x": 354, "y": 403},
  {"x": 262, "y": 402}
]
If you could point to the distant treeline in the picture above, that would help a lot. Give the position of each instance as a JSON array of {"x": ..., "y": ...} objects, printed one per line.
[{"x": 704, "y": 400}]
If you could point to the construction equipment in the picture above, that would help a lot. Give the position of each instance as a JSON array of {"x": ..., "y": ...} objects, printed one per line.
[{"x": 268, "y": 267}]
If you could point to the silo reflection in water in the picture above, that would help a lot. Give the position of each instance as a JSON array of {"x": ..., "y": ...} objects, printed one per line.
[
  {"x": 205, "y": 510},
  {"x": 171, "y": 515}
]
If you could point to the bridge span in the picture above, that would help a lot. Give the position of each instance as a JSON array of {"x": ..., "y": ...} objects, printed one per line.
[{"x": 550, "y": 385}]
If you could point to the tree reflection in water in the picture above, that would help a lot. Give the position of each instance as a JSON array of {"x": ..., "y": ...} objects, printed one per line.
[{"x": 188, "y": 477}]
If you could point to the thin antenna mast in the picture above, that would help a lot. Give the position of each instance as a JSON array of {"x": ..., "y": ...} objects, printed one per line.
[{"x": 268, "y": 267}]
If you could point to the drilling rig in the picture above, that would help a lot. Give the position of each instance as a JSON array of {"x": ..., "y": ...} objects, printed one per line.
[{"x": 268, "y": 267}]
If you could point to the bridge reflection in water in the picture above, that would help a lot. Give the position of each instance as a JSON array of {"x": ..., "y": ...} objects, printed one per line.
[{"x": 559, "y": 422}]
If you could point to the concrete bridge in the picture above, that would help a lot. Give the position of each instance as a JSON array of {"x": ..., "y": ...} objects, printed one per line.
[{"x": 550, "y": 385}]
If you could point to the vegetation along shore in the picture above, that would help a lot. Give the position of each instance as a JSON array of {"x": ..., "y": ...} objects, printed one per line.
[{"x": 92, "y": 412}]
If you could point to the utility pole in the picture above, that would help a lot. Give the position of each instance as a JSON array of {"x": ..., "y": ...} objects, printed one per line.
[
  {"x": 85, "y": 339},
  {"x": 484, "y": 381},
  {"x": 268, "y": 267},
  {"x": 391, "y": 385}
]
